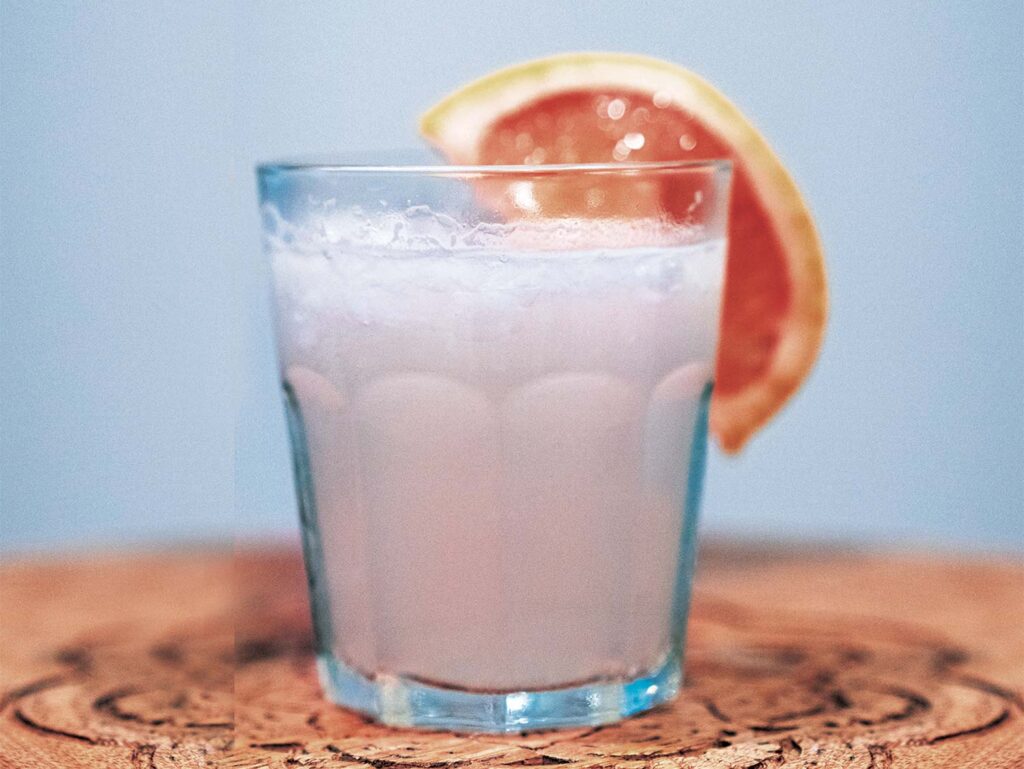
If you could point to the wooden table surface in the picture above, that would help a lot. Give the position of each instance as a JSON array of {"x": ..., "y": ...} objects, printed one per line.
[{"x": 796, "y": 659}]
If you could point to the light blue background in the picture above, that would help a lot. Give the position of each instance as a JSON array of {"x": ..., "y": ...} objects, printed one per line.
[{"x": 135, "y": 330}]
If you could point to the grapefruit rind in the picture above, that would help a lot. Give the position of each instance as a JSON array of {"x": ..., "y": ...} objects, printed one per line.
[{"x": 458, "y": 122}]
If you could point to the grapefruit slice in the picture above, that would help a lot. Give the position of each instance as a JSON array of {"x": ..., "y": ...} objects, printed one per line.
[{"x": 603, "y": 107}]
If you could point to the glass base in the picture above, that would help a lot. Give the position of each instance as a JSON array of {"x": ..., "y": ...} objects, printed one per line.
[{"x": 398, "y": 701}]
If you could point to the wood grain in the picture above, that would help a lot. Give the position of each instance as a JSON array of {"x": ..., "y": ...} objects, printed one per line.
[{"x": 796, "y": 659}]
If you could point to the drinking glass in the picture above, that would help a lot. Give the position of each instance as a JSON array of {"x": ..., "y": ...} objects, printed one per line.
[{"x": 496, "y": 382}]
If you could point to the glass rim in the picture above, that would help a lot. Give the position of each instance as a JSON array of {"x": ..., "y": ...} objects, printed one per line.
[{"x": 624, "y": 168}]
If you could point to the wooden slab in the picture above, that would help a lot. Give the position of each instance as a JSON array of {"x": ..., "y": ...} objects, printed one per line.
[{"x": 796, "y": 659}]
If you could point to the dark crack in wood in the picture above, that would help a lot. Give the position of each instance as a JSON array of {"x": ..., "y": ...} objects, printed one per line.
[
  {"x": 32, "y": 687},
  {"x": 541, "y": 759},
  {"x": 839, "y": 700},
  {"x": 108, "y": 704},
  {"x": 790, "y": 747},
  {"x": 712, "y": 708},
  {"x": 994, "y": 689},
  {"x": 169, "y": 653},
  {"x": 772, "y": 728},
  {"x": 79, "y": 658},
  {"x": 816, "y": 710},
  {"x": 209, "y": 725},
  {"x": 994, "y": 723},
  {"x": 879, "y": 756},
  {"x": 279, "y": 745},
  {"x": 143, "y": 757},
  {"x": 35, "y": 726}
]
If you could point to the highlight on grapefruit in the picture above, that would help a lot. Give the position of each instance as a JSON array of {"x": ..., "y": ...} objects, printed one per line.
[{"x": 606, "y": 107}]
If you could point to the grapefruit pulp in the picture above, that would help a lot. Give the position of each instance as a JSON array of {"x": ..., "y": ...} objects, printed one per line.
[{"x": 600, "y": 108}]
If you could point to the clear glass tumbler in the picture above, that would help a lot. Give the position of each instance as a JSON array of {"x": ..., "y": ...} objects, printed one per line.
[{"x": 497, "y": 384}]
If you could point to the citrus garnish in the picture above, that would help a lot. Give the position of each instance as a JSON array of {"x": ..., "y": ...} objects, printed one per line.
[{"x": 604, "y": 107}]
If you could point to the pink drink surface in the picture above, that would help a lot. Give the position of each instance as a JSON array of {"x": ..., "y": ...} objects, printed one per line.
[{"x": 499, "y": 446}]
